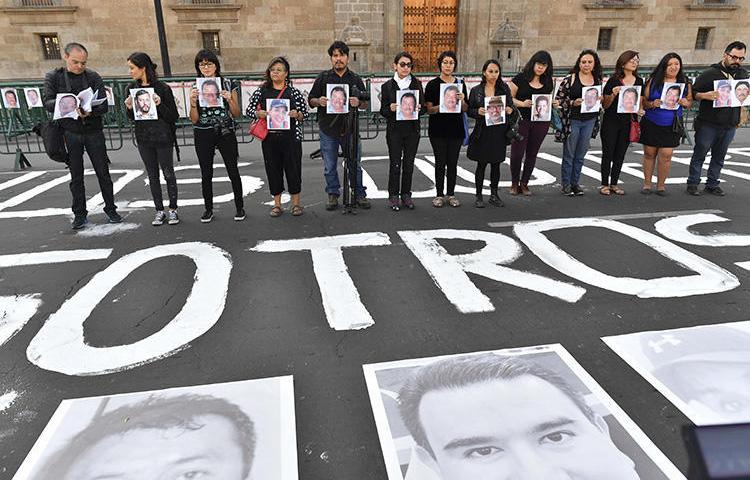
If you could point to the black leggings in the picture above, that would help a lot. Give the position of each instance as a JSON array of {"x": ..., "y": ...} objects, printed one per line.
[
  {"x": 494, "y": 177},
  {"x": 153, "y": 158},
  {"x": 446, "y": 152},
  {"x": 615, "y": 141},
  {"x": 206, "y": 143},
  {"x": 402, "y": 148},
  {"x": 282, "y": 154}
]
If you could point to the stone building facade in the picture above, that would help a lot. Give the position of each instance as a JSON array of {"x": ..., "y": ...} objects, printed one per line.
[{"x": 249, "y": 32}]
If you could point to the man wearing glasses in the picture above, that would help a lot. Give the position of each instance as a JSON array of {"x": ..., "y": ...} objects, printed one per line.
[{"x": 715, "y": 127}]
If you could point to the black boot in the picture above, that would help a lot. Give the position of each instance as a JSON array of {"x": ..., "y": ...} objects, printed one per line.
[
  {"x": 479, "y": 202},
  {"x": 495, "y": 199}
]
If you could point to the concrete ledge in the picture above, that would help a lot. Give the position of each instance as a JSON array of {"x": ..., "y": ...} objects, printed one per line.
[
  {"x": 58, "y": 15},
  {"x": 207, "y": 13}
]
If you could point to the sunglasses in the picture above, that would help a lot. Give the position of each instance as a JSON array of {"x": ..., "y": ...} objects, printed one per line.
[{"x": 404, "y": 64}]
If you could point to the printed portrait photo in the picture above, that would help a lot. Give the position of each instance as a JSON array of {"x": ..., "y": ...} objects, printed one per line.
[
  {"x": 10, "y": 98},
  {"x": 247, "y": 88},
  {"x": 670, "y": 95},
  {"x": 376, "y": 85},
  {"x": 740, "y": 93},
  {"x": 494, "y": 110},
  {"x": 592, "y": 99},
  {"x": 231, "y": 431},
  {"x": 66, "y": 106},
  {"x": 449, "y": 102},
  {"x": 724, "y": 89},
  {"x": 110, "y": 95},
  {"x": 144, "y": 107},
  {"x": 407, "y": 105},
  {"x": 33, "y": 97},
  {"x": 541, "y": 108},
  {"x": 181, "y": 94},
  {"x": 629, "y": 99},
  {"x": 704, "y": 371},
  {"x": 526, "y": 413},
  {"x": 209, "y": 92},
  {"x": 338, "y": 98},
  {"x": 278, "y": 113}
]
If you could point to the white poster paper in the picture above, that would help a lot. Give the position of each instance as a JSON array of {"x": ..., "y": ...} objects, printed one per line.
[
  {"x": 338, "y": 98},
  {"x": 144, "y": 106},
  {"x": 629, "y": 99},
  {"x": 407, "y": 105},
  {"x": 592, "y": 99}
]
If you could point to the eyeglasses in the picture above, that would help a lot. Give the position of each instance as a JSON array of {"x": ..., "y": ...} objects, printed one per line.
[
  {"x": 404, "y": 64},
  {"x": 206, "y": 64},
  {"x": 735, "y": 57}
]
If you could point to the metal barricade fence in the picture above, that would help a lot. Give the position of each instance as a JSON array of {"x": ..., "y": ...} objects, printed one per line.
[{"x": 16, "y": 125}]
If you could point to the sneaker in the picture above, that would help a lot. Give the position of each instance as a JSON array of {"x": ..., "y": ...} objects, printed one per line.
[
  {"x": 567, "y": 190},
  {"x": 479, "y": 203},
  {"x": 406, "y": 202},
  {"x": 207, "y": 216},
  {"x": 453, "y": 201},
  {"x": 114, "y": 217},
  {"x": 438, "y": 202},
  {"x": 79, "y": 222},
  {"x": 363, "y": 203},
  {"x": 159, "y": 218},
  {"x": 393, "y": 204},
  {"x": 714, "y": 191},
  {"x": 693, "y": 190},
  {"x": 495, "y": 200},
  {"x": 240, "y": 215},
  {"x": 333, "y": 202},
  {"x": 172, "y": 217},
  {"x": 577, "y": 190}
]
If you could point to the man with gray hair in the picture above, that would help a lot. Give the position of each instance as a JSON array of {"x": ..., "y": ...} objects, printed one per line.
[{"x": 84, "y": 133}]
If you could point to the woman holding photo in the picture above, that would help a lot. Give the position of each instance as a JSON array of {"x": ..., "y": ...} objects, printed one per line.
[
  {"x": 282, "y": 149},
  {"x": 534, "y": 79},
  {"x": 155, "y": 138},
  {"x": 577, "y": 128},
  {"x": 213, "y": 128},
  {"x": 616, "y": 126},
  {"x": 487, "y": 144},
  {"x": 446, "y": 130},
  {"x": 402, "y": 136},
  {"x": 660, "y": 127}
]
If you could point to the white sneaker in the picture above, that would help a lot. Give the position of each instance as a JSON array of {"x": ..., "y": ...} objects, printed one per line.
[
  {"x": 159, "y": 218},
  {"x": 172, "y": 217}
]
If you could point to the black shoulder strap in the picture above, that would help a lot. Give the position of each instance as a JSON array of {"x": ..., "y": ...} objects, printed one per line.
[{"x": 67, "y": 80}]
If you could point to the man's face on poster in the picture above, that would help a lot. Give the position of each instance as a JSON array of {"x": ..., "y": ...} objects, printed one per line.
[
  {"x": 719, "y": 388},
  {"x": 32, "y": 97},
  {"x": 495, "y": 111},
  {"x": 629, "y": 99},
  {"x": 143, "y": 103},
  {"x": 590, "y": 98},
  {"x": 10, "y": 99},
  {"x": 450, "y": 99},
  {"x": 67, "y": 104},
  {"x": 408, "y": 107},
  {"x": 741, "y": 91},
  {"x": 210, "y": 452},
  {"x": 542, "y": 107},
  {"x": 210, "y": 93},
  {"x": 523, "y": 428},
  {"x": 672, "y": 97},
  {"x": 338, "y": 100}
]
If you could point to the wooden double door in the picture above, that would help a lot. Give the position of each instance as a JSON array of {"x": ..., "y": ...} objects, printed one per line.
[{"x": 430, "y": 27}]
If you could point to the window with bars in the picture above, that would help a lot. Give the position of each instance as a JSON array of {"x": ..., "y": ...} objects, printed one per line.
[
  {"x": 50, "y": 46},
  {"x": 604, "y": 41},
  {"x": 211, "y": 41},
  {"x": 703, "y": 38}
]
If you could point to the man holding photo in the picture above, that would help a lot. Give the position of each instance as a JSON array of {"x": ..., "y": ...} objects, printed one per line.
[
  {"x": 715, "y": 127},
  {"x": 84, "y": 133},
  {"x": 333, "y": 127}
]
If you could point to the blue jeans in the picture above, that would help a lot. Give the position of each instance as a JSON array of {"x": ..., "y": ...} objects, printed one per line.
[
  {"x": 329, "y": 149},
  {"x": 709, "y": 137},
  {"x": 574, "y": 149}
]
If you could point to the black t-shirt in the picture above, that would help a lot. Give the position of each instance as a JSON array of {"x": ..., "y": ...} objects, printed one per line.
[
  {"x": 576, "y": 92},
  {"x": 334, "y": 124},
  {"x": 611, "y": 111},
  {"x": 525, "y": 91},
  {"x": 443, "y": 125}
]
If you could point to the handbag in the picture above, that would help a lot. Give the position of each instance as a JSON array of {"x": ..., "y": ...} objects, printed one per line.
[
  {"x": 53, "y": 137},
  {"x": 259, "y": 128},
  {"x": 678, "y": 127},
  {"x": 635, "y": 129}
]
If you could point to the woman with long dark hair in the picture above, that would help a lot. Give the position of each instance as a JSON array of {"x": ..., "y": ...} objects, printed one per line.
[
  {"x": 155, "y": 138},
  {"x": 282, "y": 149},
  {"x": 661, "y": 127},
  {"x": 577, "y": 128},
  {"x": 488, "y": 144},
  {"x": 616, "y": 126},
  {"x": 213, "y": 128},
  {"x": 534, "y": 79},
  {"x": 446, "y": 130}
]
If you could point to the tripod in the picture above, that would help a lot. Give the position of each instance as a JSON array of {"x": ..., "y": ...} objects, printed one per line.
[{"x": 350, "y": 149}]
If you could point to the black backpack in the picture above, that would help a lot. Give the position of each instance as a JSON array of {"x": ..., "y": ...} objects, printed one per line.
[{"x": 53, "y": 135}]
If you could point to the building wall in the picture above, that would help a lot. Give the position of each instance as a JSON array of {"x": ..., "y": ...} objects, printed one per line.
[{"x": 253, "y": 31}]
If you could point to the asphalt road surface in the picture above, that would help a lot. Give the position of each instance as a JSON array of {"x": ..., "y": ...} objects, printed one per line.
[{"x": 277, "y": 321}]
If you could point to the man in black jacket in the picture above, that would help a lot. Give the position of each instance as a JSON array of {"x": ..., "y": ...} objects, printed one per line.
[
  {"x": 85, "y": 133},
  {"x": 715, "y": 127}
]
